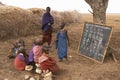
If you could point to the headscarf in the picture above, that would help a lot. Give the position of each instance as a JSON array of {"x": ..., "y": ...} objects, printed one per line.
[{"x": 37, "y": 51}]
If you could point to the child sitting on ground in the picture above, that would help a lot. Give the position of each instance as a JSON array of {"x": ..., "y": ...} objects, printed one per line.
[
  {"x": 21, "y": 59},
  {"x": 37, "y": 49},
  {"x": 37, "y": 42},
  {"x": 46, "y": 62},
  {"x": 16, "y": 46}
]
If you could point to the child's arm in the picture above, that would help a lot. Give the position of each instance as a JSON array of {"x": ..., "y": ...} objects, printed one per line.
[
  {"x": 67, "y": 38},
  {"x": 56, "y": 40},
  {"x": 10, "y": 52}
]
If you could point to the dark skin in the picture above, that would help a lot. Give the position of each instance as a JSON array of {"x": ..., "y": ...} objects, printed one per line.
[
  {"x": 17, "y": 44},
  {"x": 38, "y": 42},
  {"x": 62, "y": 30},
  {"x": 48, "y": 9},
  {"x": 62, "y": 27},
  {"x": 22, "y": 50}
]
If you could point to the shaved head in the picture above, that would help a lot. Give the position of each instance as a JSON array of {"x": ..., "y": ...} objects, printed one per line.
[
  {"x": 38, "y": 42},
  {"x": 48, "y": 9}
]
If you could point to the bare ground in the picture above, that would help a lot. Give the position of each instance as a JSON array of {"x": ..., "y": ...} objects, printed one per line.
[{"x": 77, "y": 68}]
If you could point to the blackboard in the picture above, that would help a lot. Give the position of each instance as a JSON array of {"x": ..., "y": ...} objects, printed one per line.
[{"x": 94, "y": 41}]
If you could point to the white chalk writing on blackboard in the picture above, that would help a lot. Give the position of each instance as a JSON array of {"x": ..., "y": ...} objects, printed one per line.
[{"x": 94, "y": 40}]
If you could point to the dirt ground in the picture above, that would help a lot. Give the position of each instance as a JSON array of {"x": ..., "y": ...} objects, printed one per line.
[{"x": 78, "y": 67}]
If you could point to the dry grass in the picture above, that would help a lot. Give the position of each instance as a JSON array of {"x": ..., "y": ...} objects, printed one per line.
[
  {"x": 16, "y": 22},
  {"x": 78, "y": 67},
  {"x": 113, "y": 20}
]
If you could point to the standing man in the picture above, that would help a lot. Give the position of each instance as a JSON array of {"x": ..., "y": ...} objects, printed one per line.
[{"x": 47, "y": 22}]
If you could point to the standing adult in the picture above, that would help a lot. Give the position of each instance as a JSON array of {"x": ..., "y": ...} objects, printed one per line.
[{"x": 47, "y": 22}]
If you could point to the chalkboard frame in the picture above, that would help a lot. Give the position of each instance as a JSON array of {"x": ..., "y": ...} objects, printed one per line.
[{"x": 104, "y": 52}]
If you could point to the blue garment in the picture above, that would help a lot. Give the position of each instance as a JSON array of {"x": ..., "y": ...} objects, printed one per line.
[
  {"x": 61, "y": 44},
  {"x": 15, "y": 49},
  {"x": 47, "y": 18}
]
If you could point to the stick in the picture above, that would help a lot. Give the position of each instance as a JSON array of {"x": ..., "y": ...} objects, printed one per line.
[{"x": 114, "y": 58}]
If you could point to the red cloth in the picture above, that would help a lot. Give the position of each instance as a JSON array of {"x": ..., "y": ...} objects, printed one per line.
[
  {"x": 43, "y": 58},
  {"x": 47, "y": 36},
  {"x": 19, "y": 64},
  {"x": 49, "y": 64}
]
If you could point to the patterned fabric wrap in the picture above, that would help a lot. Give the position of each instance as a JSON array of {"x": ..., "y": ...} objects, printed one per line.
[{"x": 37, "y": 51}]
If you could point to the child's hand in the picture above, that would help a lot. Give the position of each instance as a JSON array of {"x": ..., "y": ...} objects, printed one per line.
[{"x": 49, "y": 24}]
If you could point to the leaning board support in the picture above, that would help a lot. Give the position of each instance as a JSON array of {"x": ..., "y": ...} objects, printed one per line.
[{"x": 94, "y": 41}]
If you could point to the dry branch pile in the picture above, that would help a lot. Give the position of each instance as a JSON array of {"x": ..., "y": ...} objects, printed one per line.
[{"x": 16, "y": 22}]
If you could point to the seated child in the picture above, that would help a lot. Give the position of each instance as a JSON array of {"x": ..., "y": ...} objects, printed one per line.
[
  {"x": 31, "y": 57},
  {"x": 21, "y": 59},
  {"x": 31, "y": 54},
  {"x": 16, "y": 46},
  {"x": 37, "y": 50},
  {"x": 46, "y": 62}
]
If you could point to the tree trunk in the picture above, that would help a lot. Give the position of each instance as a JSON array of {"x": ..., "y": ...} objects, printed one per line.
[{"x": 99, "y": 10}]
